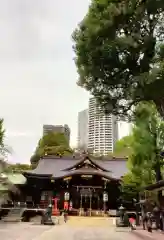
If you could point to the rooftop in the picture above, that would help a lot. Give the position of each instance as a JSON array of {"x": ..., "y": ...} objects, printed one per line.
[{"x": 58, "y": 167}]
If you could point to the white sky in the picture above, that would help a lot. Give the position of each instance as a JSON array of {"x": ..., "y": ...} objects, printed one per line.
[{"x": 37, "y": 72}]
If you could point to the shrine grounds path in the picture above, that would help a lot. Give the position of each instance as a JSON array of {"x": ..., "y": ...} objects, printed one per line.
[{"x": 72, "y": 230}]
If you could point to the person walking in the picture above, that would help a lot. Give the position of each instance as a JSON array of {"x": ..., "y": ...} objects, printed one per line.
[{"x": 65, "y": 214}]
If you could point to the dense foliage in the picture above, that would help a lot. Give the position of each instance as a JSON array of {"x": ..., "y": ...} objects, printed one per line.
[
  {"x": 18, "y": 167},
  {"x": 3, "y": 148},
  {"x": 119, "y": 55},
  {"x": 147, "y": 144},
  {"x": 122, "y": 147},
  {"x": 4, "y": 167},
  {"x": 51, "y": 144}
]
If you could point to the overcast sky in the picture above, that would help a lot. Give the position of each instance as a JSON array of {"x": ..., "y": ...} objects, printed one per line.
[{"x": 37, "y": 72}]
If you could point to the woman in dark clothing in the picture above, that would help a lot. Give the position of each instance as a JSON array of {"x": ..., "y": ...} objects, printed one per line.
[{"x": 65, "y": 213}]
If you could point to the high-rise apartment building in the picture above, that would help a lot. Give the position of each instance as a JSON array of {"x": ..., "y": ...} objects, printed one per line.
[
  {"x": 102, "y": 129},
  {"x": 83, "y": 129},
  {"x": 57, "y": 129}
]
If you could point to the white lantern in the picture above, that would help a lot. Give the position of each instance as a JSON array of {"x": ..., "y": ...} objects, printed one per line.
[
  {"x": 66, "y": 196},
  {"x": 105, "y": 197}
]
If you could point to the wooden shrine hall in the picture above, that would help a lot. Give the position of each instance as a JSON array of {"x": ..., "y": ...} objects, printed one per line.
[{"x": 82, "y": 185}]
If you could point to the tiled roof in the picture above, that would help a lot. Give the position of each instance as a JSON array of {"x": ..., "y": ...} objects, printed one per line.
[{"x": 62, "y": 167}]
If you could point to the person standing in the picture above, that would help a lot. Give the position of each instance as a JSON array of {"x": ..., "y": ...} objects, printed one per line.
[{"x": 156, "y": 214}]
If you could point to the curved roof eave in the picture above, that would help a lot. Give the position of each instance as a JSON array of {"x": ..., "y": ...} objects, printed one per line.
[
  {"x": 30, "y": 174},
  {"x": 87, "y": 173},
  {"x": 81, "y": 161},
  {"x": 42, "y": 176}
]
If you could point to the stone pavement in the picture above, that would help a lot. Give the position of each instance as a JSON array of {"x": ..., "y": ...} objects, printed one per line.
[
  {"x": 21, "y": 231},
  {"x": 82, "y": 233},
  {"x": 145, "y": 235},
  {"x": 74, "y": 229}
]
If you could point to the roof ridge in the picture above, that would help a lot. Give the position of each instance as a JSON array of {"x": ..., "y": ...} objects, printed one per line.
[
  {"x": 61, "y": 157},
  {"x": 75, "y": 157}
]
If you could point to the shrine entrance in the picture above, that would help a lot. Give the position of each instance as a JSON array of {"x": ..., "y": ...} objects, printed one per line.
[
  {"x": 90, "y": 200},
  {"x": 85, "y": 201}
]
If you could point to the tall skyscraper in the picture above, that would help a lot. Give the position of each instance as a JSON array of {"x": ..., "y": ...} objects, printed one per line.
[
  {"x": 57, "y": 129},
  {"x": 83, "y": 129},
  {"x": 102, "y": 129}
]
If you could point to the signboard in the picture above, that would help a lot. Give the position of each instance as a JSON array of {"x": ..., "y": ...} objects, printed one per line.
[
  {"x": 105, "y": 197},
  {"x": 66, "y": 196},
  {"x": 67, "y": 178},
  {"x": 86, "y": 176}
]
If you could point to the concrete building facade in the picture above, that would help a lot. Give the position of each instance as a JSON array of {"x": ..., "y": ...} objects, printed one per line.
[
  {"x": 82, "y": 141},
  {"x": 102, "y": 129}
]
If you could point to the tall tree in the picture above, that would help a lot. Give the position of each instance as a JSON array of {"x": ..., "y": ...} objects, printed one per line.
[
  {"x": 51, "y": 144},
  {"x": 118, "y": 53},
  {"x": 3, "y": 167},
  {"x": 145, "y": 159},
  {"x": 148, "y": 139},
  {"x": 3, "y": 148},
  {"x": 122, "y": 147}
]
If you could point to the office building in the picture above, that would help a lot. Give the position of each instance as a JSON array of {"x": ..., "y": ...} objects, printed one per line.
[
  {"x": 83, "y": 130},
  {"x": 102, "y": 129}
]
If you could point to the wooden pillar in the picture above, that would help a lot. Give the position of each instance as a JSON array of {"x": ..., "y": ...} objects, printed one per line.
[
  {"x": 55, "y": 210},
  {"x": 90, "y": 204}
]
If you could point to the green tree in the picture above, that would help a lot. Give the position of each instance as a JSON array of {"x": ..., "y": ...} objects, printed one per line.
[
  {"x": 18, "y": 167},
  {"x": 35, "y": 159},
  {"x": 148, "y": 135},
  {"x": 135, "y": 180},
  {"x": 122, "y": 147},
  {"x": 4, "y": 182},
  {"x": 130, "y": 187},
  {"x": 118, "y": 55},
  {"x": 53, "y": 139},
  {"x": 145, "y": 161},
  {"x": 51, "y": 144},
  {"x": 3, "y": 148}
]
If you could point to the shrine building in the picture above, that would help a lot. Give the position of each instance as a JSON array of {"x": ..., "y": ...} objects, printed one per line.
[{"x": 83, "y": 185}]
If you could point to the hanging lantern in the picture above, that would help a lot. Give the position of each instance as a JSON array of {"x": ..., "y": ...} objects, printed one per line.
[
  {"x": 66, "y": 196},
  {"x": 105, "y": 197},
  {"x": 70, "y": 206}
]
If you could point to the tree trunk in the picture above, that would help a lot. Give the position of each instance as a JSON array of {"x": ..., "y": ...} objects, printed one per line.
[
  {"x": 158, "y": 174},
  {"x": 160, "y": 106}
]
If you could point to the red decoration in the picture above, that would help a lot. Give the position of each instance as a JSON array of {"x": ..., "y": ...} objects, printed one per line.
[
  {"x": 66, "y": 205},
  {"x": 55, "y": 210}
]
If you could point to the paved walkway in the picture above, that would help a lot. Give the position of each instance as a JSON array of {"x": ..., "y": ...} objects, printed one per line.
[
  {"x": 74, "y": 229},
  {"x": 145, "y": 235},
  {"x": 90, "y": 222},
  {"x": 83, "y": 233},
  {"x": 21, "y": 231}
]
